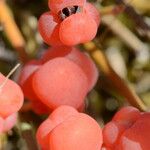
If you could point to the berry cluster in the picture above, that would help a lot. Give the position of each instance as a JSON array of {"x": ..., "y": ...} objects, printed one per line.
[
  {"x": 60, "y": 80},
  {"x": 129, "y": 129},
  {"x": 65, "y": 74},
  {"x": 11, "y": 100},
  {"x": 69, "y": 22}
]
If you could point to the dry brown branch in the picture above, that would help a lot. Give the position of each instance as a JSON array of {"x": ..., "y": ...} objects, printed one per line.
[
  {"x": 101, "y": 60},
  {"x": 11, "y": 30}
]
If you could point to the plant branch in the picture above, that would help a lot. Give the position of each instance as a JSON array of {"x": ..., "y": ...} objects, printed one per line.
[
  {"x": 11, "y": 30},
  {"x": 103, "y": 65}
]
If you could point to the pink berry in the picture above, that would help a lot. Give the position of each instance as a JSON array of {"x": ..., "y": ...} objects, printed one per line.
[
  {"x": 128, "y": 130},
  {"x": 60, "y": 82},
  {"x": 74, "y": 54},
  {"x": 73, "y": 127},
  {"x": 80, "y": 129},
  {"x": 62, "y": 113},
  {"x": 56, "y": 51},
  {"x": 25, "y": 82},
  {"x": 77, "y": 15},
  {"x": 76, "y": 31},
  {"x": 42, "y": 134},
  {"x": 112, "y": 132},
  {"x": 57, "y": 116},
  {"x": 11, "y": 97},
  {"x": 93, "y": 12},
  {"x": 127, "y": 115},
  {"x": 28, "y": 69},
  {"x": 25, "y": 79},
  {"x": 48, "y": 26},
  {"x": 137, "y": 137}
]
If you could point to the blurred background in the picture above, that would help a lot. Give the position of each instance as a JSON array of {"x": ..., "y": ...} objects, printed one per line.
[{"x": 123, "y": 37}]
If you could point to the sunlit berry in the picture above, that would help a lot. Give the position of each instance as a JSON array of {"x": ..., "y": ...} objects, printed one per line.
[
  {"x": 128, "y": 130},
  {"x": 73, "y": 127},
  {"x": 137, "y": 137},
  {"x": 25, "y": 82},
  {"x": 57, "y": 116},
  {"x": 60, "y": 82},
  {"x": 93, "y": 12},
  {"x": 75, "y": 55},
  {"x": 25, "y": 79},
  {"x": 112, "y": 132},
  {"x": 48, "y": 26},
  {"x": 127, "y": 115},
  {"x": 11, "y": 97},
  {"x": 68, "y": 22},
  {"x": 77, "y": 27}
]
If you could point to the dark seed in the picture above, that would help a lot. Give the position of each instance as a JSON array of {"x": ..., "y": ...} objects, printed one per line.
[{"x": 68, "y": 11}]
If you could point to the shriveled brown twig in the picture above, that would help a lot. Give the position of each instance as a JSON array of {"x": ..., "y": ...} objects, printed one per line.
[
  {"x": 11, "y": 30},
  {"x": 99, "y": 57}
]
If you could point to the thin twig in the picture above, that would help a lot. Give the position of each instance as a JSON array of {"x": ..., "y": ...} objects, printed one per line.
[
  {"x": 9, "y": 74},
  {"x": 103, "y": 64}
]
